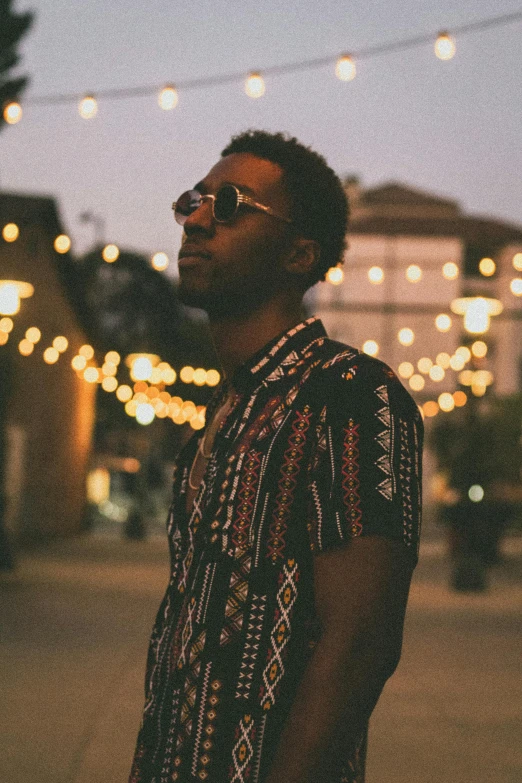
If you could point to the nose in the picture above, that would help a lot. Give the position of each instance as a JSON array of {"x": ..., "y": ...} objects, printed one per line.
[{"x": 201, "y": 219}]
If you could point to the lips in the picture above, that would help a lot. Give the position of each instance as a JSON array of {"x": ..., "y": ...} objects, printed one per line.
[{"x": 192, "y": 251}]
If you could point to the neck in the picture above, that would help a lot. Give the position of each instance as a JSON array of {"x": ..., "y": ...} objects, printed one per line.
[{"x": 236, "y": 339}]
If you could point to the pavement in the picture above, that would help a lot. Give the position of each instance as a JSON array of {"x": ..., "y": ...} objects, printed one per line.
[{"x": 75, "y": 618}]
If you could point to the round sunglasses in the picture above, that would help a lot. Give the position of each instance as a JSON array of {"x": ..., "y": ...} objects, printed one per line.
[{"x": 225, "y": 204}]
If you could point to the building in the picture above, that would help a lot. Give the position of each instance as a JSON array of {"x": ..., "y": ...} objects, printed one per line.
[
  {"x": 46, "y": 411},
  {"x": 410, "y": 255}
]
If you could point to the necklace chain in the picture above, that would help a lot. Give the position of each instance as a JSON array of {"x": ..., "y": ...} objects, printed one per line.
[{"x": 212, "y": 429}]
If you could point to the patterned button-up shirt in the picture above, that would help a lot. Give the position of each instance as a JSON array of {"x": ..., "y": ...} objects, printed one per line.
[{"x": 322, "y": 443}]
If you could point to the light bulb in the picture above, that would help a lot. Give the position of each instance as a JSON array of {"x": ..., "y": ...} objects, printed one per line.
[
  {"x": 88, "y": 107},
  {"x": 12, "y": 112},
  {"x": 255, "y": 85},
  {"x": 445, "y": 46},
  {"x": 335, "y": 275},
  {"x": 345, "y": 69},
  {"x": 110, "y": 253},
  {"x": 168, "y": 98},
  {"x": 371, "y": 347},
  {"x": 375, "y": 275}
]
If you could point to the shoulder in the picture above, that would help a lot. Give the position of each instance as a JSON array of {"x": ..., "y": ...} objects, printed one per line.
[{"x": 348, "y": 379}]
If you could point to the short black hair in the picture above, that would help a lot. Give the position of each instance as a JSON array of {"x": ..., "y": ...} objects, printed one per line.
[{"x": 319, "y": 205}]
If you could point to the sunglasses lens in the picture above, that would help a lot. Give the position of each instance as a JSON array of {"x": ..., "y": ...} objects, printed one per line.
[
  {"x": 187, "y": 203},
  {"x": 225, "y": 205}
]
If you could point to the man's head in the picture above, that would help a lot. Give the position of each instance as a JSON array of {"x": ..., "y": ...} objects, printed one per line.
[{"x": 237, "y": 266}]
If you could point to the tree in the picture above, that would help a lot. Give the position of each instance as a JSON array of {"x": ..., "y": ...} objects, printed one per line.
[{"x": 13, "y": 27}]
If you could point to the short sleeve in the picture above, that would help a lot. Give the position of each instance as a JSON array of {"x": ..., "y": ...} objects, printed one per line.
[{"x": 366, "y": 469}]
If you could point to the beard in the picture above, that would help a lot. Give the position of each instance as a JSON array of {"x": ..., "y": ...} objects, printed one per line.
[{"x": 222, "y": 299}]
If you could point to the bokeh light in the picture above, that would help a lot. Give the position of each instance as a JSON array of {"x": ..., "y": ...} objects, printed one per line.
[
  {"x": 88, "y": 107},
  {"x": 479, "y": 349},
  {"x": 450, "y": 270},
  {"x": 406, "y": 336},
  {"x": 516, "y": 286},
  {"x": 460, "y": 398},
  {"x": 168, "y": 98},
  {"x": 424, "y": 364},
  {"x": 371, "y": 347},
  {"x": 430, "y": 408},
  {"x": 159, "y": 261},
  {"x": 33, "y": 334},
  {"x": 476, "y": 493},
  {"x": 87, "y": 351},
  {"x": 446, "y": 402},
  {"x": 12, "y": 112},
  {"x": 255, "y": 85},
  {"x": 443, "y": 322},
  {"x": 517, "y": 262},
  {"x": 345, "y": 68},
  {"x": 26, "y": 347},
  {"x": 62, "y": 243},
  {"x": 91, "y": 375},
  {"x": 413, "y": 273},
  {"x": 110, "y": 253},
  {"x": 10, "y": 232},
  {"x": 406, "y": 369},
  {"x": 124, "y": 393},
  {"x": 375, "y": 275},
  {"x": 417, "y": 382},
  {"x": 61, "y": 343},
  {"x": 51, "y": 355},
  {"x": 445, "y": 46},
  {"x": 335, "y": 275},
  {"x": 487, "y": 267},
  {"x": 436, "y": 373}
]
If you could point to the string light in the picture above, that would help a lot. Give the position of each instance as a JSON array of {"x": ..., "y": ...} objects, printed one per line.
[
  {"x": 109, "y": 384},
  {"x": 33, "y": 334},
  {"x": 124, "y": 393},
  {"x": 436, "y": 373},
  {"x": 4, "y": 337},
  {"x": 445, "y": 46},
  {"x": 159, "y": 261},
  {"x": 26, "y": 347},
  {"x": 168, "y": 98},
  {"x": 476, "y": 493},
  {"x": 487, "y": 267},
  {"x": 406, "y": 370},
  {"x": 450, "y": 270},
  {"x": 51, "y": 355},
  {"x": 345, "y": 69},
  {"x": 186, "y": 374},
  {"x": 88, "y": 107},
  {"x": 255, "y": 85},
  {"x": 113, "y": 357},
  {"x": 6, "y": 325},
  {"x": 517, "y": 262},
  {"x": 457, "y": 362},
  {"x": 460, "y": 398},
  {"x": 479, "y": 349},
  {"x": 413, "y": 273},
  {"x": 79, "y": 363},
  {"x": 446, "y": 402},
  {"x": 61, "y": 343},
  {"x": 375, "y": 275},
  {"x": 430, "y": 408},
  {"x": 87, "y": 351},
  {"x": 12, "y": 112},
  {"x": 91, "y": 375},
  {"x": 371, "y": 347},
  {"x": 417, "y": 382},
  {"x": 110, "y": 253},
  {"x": 516, "y": 286},
  {"x": 406, "y": 336},
  {"x": 62, "y": 243},
  {"x": 10, "y": 232},
  {"x": 335, "y": 275},
  {"x": 443, "y": 360},
  {"x": 424, "y": 364},
  {"x": 443, "y": 322},
  {"x": 213, "y": 377}
]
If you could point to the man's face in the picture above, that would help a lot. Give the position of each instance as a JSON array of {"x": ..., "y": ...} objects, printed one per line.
[{"x": 233, "y": 268}]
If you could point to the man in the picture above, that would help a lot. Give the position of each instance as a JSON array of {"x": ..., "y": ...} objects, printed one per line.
[{"x": 295, "y": 517}]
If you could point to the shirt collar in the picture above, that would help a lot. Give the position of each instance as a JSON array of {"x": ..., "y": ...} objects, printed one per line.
[{"x": 285, "y": 350}]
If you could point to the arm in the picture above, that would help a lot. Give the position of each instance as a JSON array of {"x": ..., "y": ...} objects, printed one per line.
[{"x": 361, "y": 593}]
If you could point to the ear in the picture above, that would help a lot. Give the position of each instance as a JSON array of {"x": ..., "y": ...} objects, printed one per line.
[{"x": 303, "y": 256}]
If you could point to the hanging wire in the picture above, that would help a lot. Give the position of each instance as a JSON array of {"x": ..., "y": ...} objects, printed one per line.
[{"x": 278, "y": 70}]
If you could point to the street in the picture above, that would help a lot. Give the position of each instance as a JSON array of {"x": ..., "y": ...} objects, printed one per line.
[{"x": 75, "y": 619}]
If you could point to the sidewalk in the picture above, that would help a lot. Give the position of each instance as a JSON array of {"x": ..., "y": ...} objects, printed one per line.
[{"x": 74, "y": 626}]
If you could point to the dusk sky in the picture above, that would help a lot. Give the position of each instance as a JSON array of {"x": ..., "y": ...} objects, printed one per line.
[{"x": 452, "y": 128}]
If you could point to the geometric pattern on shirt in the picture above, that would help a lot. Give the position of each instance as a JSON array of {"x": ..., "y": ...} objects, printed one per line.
[
  {"x": 279, "y": 636},
  {"x": 245, "y": 506},
  {"x": 384, "y": 439},
  {"x": 192, "y": 674},
  {"x": 251, "y": 648},
  {"x": 406, "y": 471},
  {"x": 287, "y": 484},
  {"x": 243, "y": 750},
  {"x": 350, "y": 478},
  {"x": 237, "y": 595},
  {"x": 211, "y": 713}
]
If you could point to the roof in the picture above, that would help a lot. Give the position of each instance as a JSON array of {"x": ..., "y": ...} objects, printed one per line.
[{"x": 396, "y": 209}]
